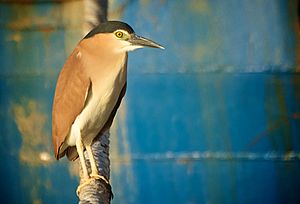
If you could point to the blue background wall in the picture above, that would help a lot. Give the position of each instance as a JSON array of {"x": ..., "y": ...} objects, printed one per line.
[{"x": 215, "y": 118}]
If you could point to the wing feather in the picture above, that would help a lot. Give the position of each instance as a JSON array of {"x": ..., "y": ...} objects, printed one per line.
[
  {"x": 71, "y": 152},
  {"x": 69, "y": 99}
]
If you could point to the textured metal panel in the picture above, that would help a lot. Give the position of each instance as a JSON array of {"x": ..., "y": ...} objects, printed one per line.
[
  {"x": 34, "y": 41},
  {"x": 215, "y": 117},
  {"x": 212, "y": 119}
]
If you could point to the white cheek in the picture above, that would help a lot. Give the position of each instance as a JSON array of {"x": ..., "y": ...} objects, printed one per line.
[
  {"x": 132, "y": 47},
  {"x": 127, "y": 47}
]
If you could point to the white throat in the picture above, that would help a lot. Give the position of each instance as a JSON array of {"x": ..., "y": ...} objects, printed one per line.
[{"x": 128, "y": 47}]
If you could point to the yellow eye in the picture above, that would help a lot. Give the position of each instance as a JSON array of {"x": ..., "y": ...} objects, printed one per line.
[{"x": 119, "y": 34}]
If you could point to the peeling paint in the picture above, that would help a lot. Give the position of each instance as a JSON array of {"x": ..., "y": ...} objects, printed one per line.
[
  {"x": 211, "y": 45},
  {"x": 36, "y": 144},
  {"x": 294, "y": 21},
  {"x": 73, "y": 168},
  {"x": 15, "y": 37},
  {"x": 120, "y": 141},
  {"x": 117, "y": 8},
  {"x": 192, "y": 157},
  {"x": 201, "y": 6},
  {"x": 27, "y": 17},
  {"x": 34, "y": 36},
  {"x": 145, "y": 3},
  {"x": 73, "y": 18},
  {"x": 36, "y": 148},
  {"x": 37, "y": 201}
]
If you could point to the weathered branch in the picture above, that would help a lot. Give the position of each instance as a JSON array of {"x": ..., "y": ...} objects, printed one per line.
[{"x": 98, "y": 191}]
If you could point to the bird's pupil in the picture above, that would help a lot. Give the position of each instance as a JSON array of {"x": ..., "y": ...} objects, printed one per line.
[{"x": 119, "y": 34}]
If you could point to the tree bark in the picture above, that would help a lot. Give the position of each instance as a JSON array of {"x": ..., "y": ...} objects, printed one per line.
[{"x": 98, "y": 191}]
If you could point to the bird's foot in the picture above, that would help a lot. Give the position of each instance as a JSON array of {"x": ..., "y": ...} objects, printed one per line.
[
  {"x": 97, "y": 176},
  {"x": 86, "y": 181}
]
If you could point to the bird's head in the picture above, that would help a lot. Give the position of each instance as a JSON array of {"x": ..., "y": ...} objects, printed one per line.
[{"x": 120, "y": 36}]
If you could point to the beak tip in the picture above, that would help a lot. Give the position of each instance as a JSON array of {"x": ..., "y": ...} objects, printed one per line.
[{"x": 138, "y": 40}]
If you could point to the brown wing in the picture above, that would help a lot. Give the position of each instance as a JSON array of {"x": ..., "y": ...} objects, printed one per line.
[
  {"x": 69, "y": 99},
  {"x": 71, "y": 152}
]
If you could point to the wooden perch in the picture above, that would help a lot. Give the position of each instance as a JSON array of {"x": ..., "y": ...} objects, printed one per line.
[{"x": 98, "y": 191}]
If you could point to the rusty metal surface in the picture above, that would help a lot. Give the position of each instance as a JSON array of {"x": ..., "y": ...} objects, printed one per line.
[
  {"x": 214, "y": 118},
  {"x": 34, "y": 42}
]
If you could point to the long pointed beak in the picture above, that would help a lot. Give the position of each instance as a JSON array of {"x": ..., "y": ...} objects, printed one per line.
[{"x": 144, "y": 42}]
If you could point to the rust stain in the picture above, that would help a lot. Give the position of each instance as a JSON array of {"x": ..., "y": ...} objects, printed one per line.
[
  {"x": 27, "y": 17},
  {"x": 203, "y": 49},
  {"x": 20, "y": 23},
  {"x": 282, "y": 123},
  {"x": 31, "y": 121},
  {"x": 294, "y": 7},
  {"x": 34, "y": 183},
  {"x": 47, "y": 29},
  {"x": 121, "y": 162},
  {"x": 15, "y": 37},
  {"x": 264, "y": 134},
  {"x": 295, "y": 115},
  {"x": 145, "y": 3},
  {"x": 74, "y": 169},
  {"x": 73, "y": 17},
  {"x": 283, "y": 111},
  {"x": 116, "y": 9},
  {"x": 37, "y": 201},
  {"x": 119, "y": 123},
  {"x": 201, "y": 6}
]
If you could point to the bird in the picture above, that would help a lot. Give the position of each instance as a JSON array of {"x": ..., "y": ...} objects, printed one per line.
[{"x": 90, "y": 88}]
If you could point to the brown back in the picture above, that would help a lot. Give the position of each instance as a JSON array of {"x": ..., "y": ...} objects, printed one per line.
[{"x": 69, "y": 99}]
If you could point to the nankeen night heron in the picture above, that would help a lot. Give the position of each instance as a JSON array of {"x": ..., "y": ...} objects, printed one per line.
[{"x": 90, "y": 88}]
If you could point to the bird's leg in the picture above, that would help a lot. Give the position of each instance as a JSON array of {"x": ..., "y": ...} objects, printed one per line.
[
  {"x": 95, "y": 173},
  {"x": 85, "y": 179},
  {"x": 80, "y": 149}
]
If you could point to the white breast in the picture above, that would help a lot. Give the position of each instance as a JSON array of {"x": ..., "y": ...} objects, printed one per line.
[{"x": 103, "y": 98}]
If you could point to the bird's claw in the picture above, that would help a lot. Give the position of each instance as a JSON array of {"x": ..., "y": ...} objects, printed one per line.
[
  {"x": 84, "y": 182},
  {"x": 89, "y": 180},
  {"x": 97, "y": 176}
]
